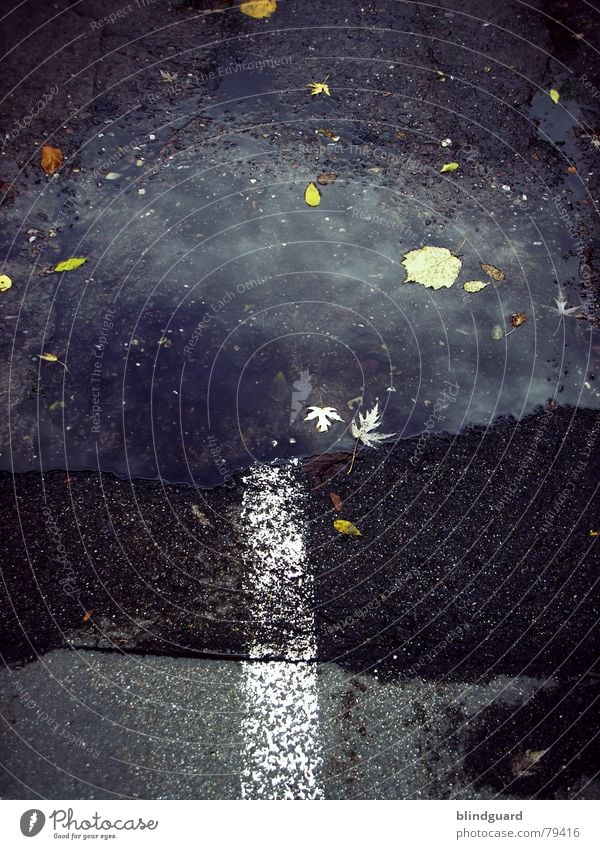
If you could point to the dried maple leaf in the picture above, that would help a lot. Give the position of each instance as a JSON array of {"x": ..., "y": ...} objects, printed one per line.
[
  {"x": 52, "y": 159},
  {"x": 323, "y": 416},
  {"x": 326, "y": 179},
  {"x": 319, "y": 88},
  {"x": 364, "y": 426}
]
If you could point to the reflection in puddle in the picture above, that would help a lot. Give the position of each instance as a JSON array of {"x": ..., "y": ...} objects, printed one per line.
[{"x": 216, "y": 305}]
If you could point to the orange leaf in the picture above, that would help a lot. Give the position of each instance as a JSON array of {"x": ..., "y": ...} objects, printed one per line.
[
  {"x": 517, "y": 319},
  {"x": 336, "y": 501},
  {"x": 87, "y": 616},
  {"x": 52, "y": 159}
]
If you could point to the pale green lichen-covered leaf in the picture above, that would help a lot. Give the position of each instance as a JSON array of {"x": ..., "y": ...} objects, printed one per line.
[
  {"x": 449, "y": 166},
  {"x": 435, "y": 268},
  {"x": 475, "y": 285}
]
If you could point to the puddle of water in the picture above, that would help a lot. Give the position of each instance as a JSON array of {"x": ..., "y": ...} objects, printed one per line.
[{"x": 212, "y": 288}]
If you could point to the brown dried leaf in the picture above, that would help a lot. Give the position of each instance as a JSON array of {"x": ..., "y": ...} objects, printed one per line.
[
  {"x": 491, "y": 271},
  {"x": 336, "y": 501},
  {"x": 517, "y": 319},
  {"x": 52, "y": 159},
  {"x": 326, "y": 179},
  {"x": 323, "y": 467},
  {"x": 87, "y": 616}
]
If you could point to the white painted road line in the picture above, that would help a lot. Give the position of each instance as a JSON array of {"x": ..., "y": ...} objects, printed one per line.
[{"x": 282, "y": 757}]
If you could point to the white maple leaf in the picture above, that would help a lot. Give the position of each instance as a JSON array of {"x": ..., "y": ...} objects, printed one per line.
[
  {"x": 363, "y": 428},
  {"x": 564, "y": 311},
  {"x": 323, "y": 416}
]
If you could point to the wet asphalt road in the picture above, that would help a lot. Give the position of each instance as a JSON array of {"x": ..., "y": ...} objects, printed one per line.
[{"x": 150, "y": 632}]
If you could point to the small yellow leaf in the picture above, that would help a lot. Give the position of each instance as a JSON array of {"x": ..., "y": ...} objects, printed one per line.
[
  {"x": 52, "y": 358},
  {"x": 475, "y": 285},
  {"x": 52, "y": 159},
  {"x": 434, "y": 268},
  {"x": 491, "y": 271},
  {"x": 594, "y": 533},
  {"x": 5, "y": 282},
  {"x": 328, "y": 134},
  {"x": 312, "y": 196},
  {"x": 554, "y": 95},
  {"x": 319, "y": 88},
  {"x": 70, "y": 264},
  {"x": 449, "y": 166},
  {"x": 258, "y": 8},
  {"x": 344, "y": 527}
]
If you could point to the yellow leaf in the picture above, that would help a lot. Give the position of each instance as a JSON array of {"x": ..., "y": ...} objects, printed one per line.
[
  {"x": 258, "y": 8},
  {"x": 52, "y": 358},
  {"x": 492, "y": 271},
  {"x": 52, "y": 159},
  {"x": 319, "y": 88},
  {"x": 5, "y": 282},
  {"x": 70, "y": 264},
  {"x": 435, "y": 268},
  {"x": 312, "y": 196},
  {"x": 554, "y": 95},
  {"x": 344, "y": 527},
  {"x": 449, "y": 166},
  {"x": 328, "y": 134},
  {"x": 475, "y": 285}
]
